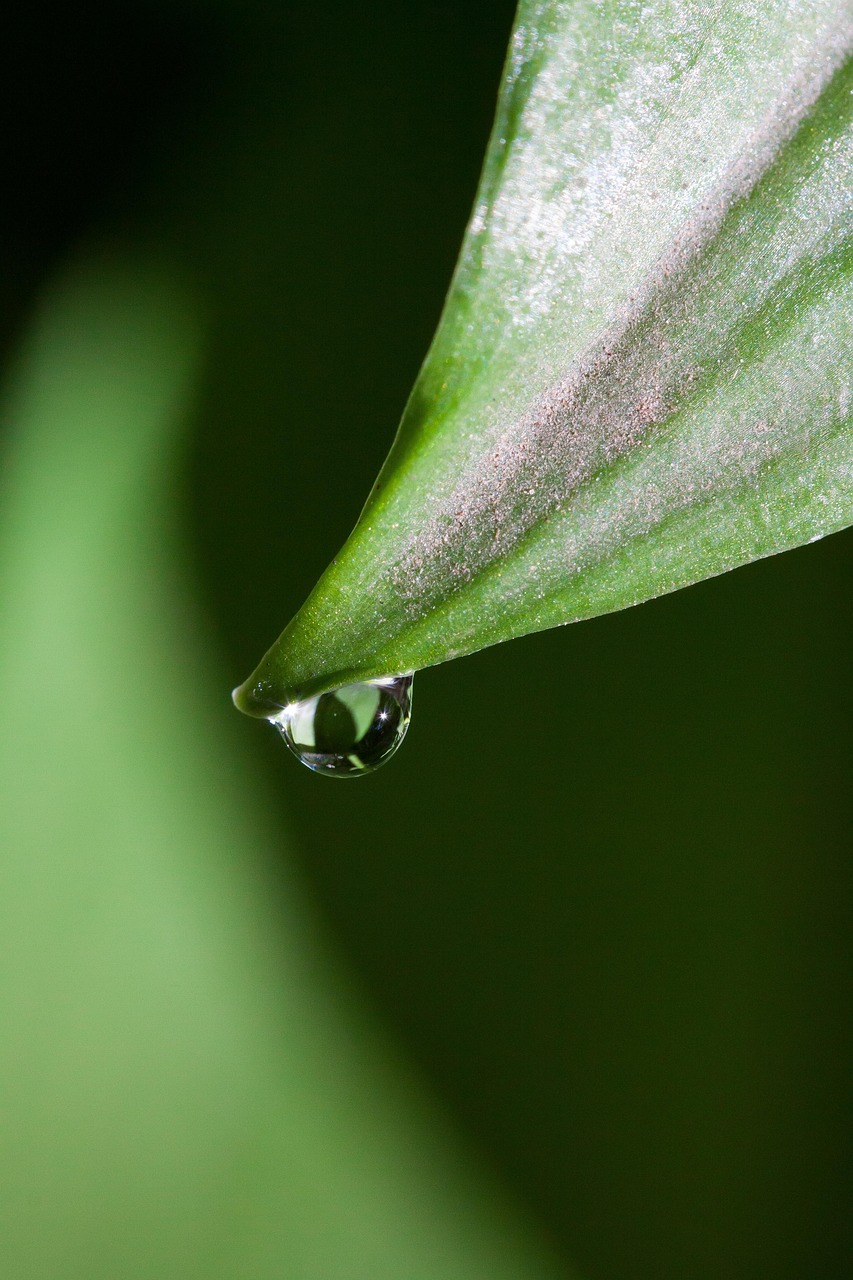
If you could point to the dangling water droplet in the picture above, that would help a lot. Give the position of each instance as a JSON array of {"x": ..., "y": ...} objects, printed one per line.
[{"x": 349, "y": 731}]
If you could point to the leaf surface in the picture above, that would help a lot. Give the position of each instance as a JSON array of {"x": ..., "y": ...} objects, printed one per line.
[{"x": 642, "y": 374}]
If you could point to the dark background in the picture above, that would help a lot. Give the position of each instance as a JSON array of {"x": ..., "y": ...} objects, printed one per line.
[{"x": 603, "y": 896}]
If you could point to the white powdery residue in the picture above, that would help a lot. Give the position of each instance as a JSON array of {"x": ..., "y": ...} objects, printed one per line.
[
  {"x": 713, "y": 454},
  {"x": 585, "y": 211},
  {"x": 514, "y": 471},
  {"x": 555, "y": 198}
]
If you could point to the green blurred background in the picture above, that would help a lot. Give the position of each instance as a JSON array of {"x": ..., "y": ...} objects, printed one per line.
[{"x": 597, "y": 912}]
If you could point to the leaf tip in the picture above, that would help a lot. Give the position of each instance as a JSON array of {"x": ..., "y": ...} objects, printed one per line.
[{"x": 254, "y": 698}]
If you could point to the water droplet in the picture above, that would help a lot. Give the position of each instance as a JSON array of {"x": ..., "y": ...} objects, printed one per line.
[{"x": 349, "y": 731}]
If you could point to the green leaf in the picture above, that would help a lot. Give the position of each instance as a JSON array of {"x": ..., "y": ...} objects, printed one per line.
[
  {"x": 191, "y": 1090},
  {"x": 643, "y": 372}
]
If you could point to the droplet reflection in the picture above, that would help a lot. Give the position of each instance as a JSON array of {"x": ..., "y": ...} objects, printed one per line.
[{"x": 350, "y": 731}]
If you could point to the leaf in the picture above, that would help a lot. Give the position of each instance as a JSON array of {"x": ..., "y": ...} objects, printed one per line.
[
  {"x": 190, "y": 1088},
  {"x": 643, "y": 372}
]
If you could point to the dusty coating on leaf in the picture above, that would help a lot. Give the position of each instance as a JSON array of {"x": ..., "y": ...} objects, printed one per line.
[{"x": 523, "y": 473}]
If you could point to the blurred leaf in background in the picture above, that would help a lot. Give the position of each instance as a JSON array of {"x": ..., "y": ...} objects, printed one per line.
[
  {"x": 187, "y": 1091},
  {"x": 601, "y": 901}
]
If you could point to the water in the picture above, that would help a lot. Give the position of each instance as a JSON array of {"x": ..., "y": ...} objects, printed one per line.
[{"x": 350, "y": 731}]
